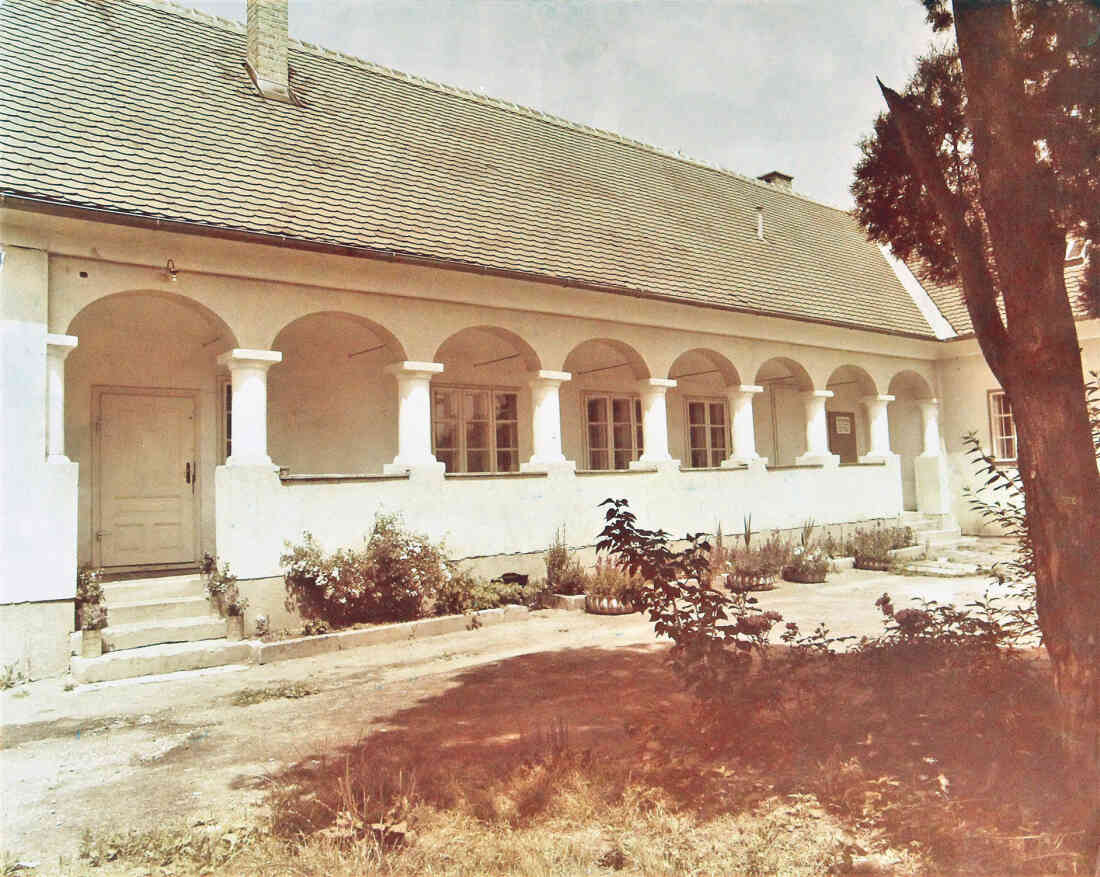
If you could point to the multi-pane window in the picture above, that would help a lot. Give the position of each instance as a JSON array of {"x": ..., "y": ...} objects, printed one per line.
[
  {"x": 227, "y": 418},
  {"x": 1002, "y": 426},
  {"x": 475, "y": 430},
  {"x": 614, "y": 430},
  {"x": 708, "y": 433}
]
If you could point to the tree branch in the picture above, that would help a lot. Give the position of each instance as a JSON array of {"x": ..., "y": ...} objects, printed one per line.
[{"x": 979, "y": 290}]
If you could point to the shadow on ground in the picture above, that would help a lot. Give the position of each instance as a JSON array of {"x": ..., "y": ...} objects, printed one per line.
[{"x": 948, "y": 754}]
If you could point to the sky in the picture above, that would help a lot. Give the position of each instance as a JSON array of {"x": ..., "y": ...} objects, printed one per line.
[{"x": 750, "y": 85}]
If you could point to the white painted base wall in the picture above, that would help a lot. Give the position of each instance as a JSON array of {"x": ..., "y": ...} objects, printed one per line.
[{"x": 257, "y": 513}]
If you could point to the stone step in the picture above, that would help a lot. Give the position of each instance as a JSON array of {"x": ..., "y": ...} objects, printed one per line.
[
  {"x": 155, "y": 660},
  {"x": 157, "y": 611},
  {"x": 138, "y": 590},
  {"x": 132, "y": 636},
  {"x": 939, "y": 538}
]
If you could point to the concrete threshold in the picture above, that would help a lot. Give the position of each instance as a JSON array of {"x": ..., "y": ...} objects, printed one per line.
[{"x": 160, "y": 660}]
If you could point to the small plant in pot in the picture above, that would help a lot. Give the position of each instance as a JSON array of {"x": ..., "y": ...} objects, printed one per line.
[
  {"x": 564, "y": 573},
  {"x": 809, "y": 563},
  {"x": 611, "y": 590},
  {"x": 93, "y": 618},
  {"x": 754, "y": 568},
  {"x": 225, "y": 596},
  {"x": 91, "y": 614}
]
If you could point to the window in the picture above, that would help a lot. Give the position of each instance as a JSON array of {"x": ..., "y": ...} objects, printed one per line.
[
  {"x": 226, "y": 438},
  {"x": 708, "y": 432},
  {"x": 1001, "y": 426},
  {"x": 614, "y": 430},
  {"x": 475, "y": 429}
]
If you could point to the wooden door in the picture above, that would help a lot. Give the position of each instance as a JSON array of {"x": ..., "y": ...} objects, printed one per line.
[
  {"x": 146, "y": 491},
  {"x": 842, "y": 435}
]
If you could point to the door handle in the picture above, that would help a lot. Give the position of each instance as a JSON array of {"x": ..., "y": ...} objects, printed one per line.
[{"x": 187, "y": 473}]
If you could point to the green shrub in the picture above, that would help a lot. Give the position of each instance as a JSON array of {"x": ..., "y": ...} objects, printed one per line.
[
  {"x": 221, "y": 587},
  {"x": 89, "y": 599},
  {"x": 564, "y": 572},
  {"x": 875, "y": 545},
  {"x": 609, "y": 579},
  {"x": 460, "y": 592},
  {"x": 391, "y": 578}
]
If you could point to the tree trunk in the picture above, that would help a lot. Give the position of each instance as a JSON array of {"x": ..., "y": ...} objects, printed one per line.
[{"x": 1035, "y": 355}]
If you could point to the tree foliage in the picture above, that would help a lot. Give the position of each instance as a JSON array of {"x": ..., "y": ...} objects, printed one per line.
[{"x": 1060, "y": 66}]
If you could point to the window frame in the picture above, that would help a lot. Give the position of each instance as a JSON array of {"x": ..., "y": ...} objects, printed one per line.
[
  {"x": 225, "y": 418},
  {"x": 637, "y": 447},
  {"x": 461, "y": 450},
  {"x": 707, "y": 402},
  {"x": 996, "y": 439}
]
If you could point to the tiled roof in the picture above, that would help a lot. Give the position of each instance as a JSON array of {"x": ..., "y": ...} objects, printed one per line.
[
  {"x": 948, "y": 297},
  {"x": 143, "y": 108}
]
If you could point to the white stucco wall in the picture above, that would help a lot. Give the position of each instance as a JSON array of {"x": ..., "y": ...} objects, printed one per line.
[
  {"x": 258, "y": 513},
  {"x": 330, "y": 412},
  {"x": 966, "y": 381}
]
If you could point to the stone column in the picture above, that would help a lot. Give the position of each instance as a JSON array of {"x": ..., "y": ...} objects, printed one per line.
[
  {"x": 655, "y": 425},
  {"x": 248, "y": 377},
  {"x": 930, "y": 416},
  {"x": 414, "y": 417},
  {"x": 879, "y": 427},
  {"x": 933, "y": 497},
  {"x": 817, "y": 431},
  {"x": 742, "y": 428},
  {"x": 546, "y": 423},
  {"x": 58, "y": 347}
]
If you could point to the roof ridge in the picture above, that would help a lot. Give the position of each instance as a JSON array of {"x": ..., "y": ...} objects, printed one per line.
[{"x": 487, "y": 100}]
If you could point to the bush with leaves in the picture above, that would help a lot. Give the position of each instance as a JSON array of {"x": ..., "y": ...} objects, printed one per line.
[
  {"x": 389, "y": 579},
  {"x": 714, "y": 633},
  {"x": 609, "y": 579},
  {"x": 89, "y": 599},
  {"x": 463, "y": 592},
  {"x": 564, "y": 573},
  {"x": 1000, "y": 500}
]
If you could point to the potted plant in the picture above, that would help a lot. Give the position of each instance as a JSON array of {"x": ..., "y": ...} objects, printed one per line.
[
  {"x": 93, "y": 618},
  {"x": 91, "y": 614},
  {"x": 225, "y": 596},
  {"x": 235, "y": 604},
  {"x": 755, "y": 568},
  {"x": 871, "y": 548},
  {"x": 610, "y": 589},
  {"x": 564, "y": 573},
  {"x": 808, "y": 563}
]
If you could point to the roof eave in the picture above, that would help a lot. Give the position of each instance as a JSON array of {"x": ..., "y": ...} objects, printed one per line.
[{"x": 139, "y": 220}]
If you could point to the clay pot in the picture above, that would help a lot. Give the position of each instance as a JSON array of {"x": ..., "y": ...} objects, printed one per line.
[
  {"x": 234, "y": 627},
  {"x": 91, "y": 643},
  {"x": 607, "y": 605}
]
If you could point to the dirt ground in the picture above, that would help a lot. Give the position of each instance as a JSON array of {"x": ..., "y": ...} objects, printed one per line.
[{"x": 144, "y": 754}]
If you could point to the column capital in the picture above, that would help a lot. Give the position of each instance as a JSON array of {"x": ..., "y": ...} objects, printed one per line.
[
  {"x": 60, "y": 345},
  {"x": 656, "y": 385},
  {"x": 241, "y": 356},
  {"x": 545, "y": 377},
  {"x": 747, "y": 389},
  {"x": 412, "y": 368},
  {"x": 817, "y": 394},
  {"x": 928, "y": 404},
  {"x": 879, "y": 397}
]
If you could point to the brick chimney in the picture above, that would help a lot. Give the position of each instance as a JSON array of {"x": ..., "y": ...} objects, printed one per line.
[
  {"x": 778, "y": 179},
  {"x": 267, "y": 48}
]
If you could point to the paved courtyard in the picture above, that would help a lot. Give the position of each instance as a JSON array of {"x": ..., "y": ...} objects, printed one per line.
[{"x": 140, "y": 754}]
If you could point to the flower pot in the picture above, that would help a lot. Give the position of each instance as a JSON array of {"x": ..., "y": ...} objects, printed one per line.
[
  {"x": 234, "y": 627},
  {"x": 607, "y": 605},
  {"x": 743, "y": 581},
  {"x": 91, "y": 643},
  {"x": 873, "y": 563},
  {"x": 803, "y": 577}
]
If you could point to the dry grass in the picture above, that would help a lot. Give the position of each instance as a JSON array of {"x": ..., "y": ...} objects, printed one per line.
[{"x": 594, "y": 762}]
